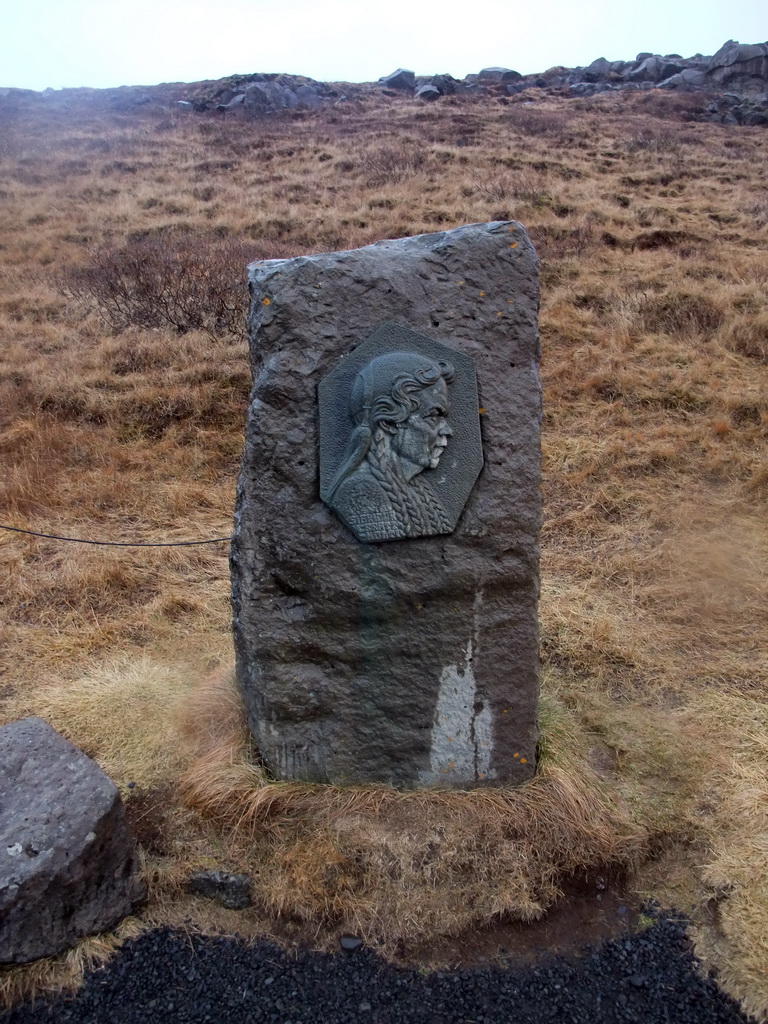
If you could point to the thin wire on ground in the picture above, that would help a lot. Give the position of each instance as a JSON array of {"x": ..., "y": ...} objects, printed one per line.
[{"x": 119, "y": 543}]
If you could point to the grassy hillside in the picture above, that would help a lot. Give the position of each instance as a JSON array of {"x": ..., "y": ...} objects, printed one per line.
[{"x": 121, "y": 419}]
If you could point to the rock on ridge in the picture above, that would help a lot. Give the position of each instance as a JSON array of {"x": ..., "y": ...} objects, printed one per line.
[{"x": 738, "y": 68}]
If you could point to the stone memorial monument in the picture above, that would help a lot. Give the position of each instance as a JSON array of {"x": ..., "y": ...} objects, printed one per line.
[{"x": 385, "y": 552}]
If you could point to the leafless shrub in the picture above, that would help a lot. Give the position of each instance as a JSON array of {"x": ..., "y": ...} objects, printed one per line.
[
  {"x": 525, "y": 186},
  {"x": 549, "y": 124},
  {"x": 188, "y": 281},
  {"x": 559, "y": 241},
  {"x": 659, "y": 141},
  {"x": 385, "y": 164}
]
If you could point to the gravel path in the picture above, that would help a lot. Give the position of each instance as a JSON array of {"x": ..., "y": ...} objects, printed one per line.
[{"x": 167, "y": 976}]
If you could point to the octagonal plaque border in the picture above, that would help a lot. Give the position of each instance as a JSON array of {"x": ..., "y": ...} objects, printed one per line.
[{"x": 459, "y": 466}]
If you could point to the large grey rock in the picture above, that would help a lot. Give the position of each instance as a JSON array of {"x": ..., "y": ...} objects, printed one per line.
[
  {"x": 739, "y": 66},
  {"x": 410, "y": 662},
  {"x": 733, "y": 52},
  {"x": 428, "y": 92},
  {"x": 308, "y": 98},
  {"x": 269, "y": 98},
  {"x": 654, "y": 69},
  {"x": 499, "y": 75},
  {"x": 400, "y": 79},
  {"x": 67, "y": 858},
  {"x": 231, "y": 891},
  {"x": 689, "y": 79},
  {"x": 598, "y": 70},
  {"x": 446, "y": 85},
  {"x": 555, "y": 76},
  {"x": 586, "y": 88}
]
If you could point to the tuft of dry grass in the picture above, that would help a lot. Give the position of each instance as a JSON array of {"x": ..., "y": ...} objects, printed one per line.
[
  {"x": 64, "y": 973},
  {"x": 737, "y": 869},
  {"x": 124, "y": 715},
  {"x": 399, "y": 866}
]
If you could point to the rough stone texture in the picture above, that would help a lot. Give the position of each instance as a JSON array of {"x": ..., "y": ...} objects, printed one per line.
[
  {"x": 268, "y": 97},
  {"x": 67, "y": 858},
  {"x": 400, "y": 79},
  {"x": 231, "y": 891},
  {"x": 308, "y": 98},
  {"x": 428, "y": 92},
  {"x": 446, "y": 85},
  {"x": 690, "y": 78},
  {"x": 499, "y": 75},
  {"x": 733, "y": 52},
  {"x": 739, "y": 65},
  {"x": 654, "y": 69},
  {"x": 598, "y": 70},
  {"x": 410, "y": 662}
]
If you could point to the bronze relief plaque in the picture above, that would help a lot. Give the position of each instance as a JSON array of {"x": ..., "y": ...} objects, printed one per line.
[{"x": 400, "y": 441}]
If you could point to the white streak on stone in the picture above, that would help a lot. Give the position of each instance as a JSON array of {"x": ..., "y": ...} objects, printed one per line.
[{"x": 462, "y": 738}]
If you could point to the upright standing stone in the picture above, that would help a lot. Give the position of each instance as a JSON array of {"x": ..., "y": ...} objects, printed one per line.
[{"x": 385, "y": 555}]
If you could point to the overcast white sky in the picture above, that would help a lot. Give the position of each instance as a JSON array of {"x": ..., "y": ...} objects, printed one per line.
[{"x": 102, "y": 43}]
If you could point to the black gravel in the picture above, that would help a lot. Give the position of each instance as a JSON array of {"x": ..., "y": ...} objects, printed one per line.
[{"x": 170, "y": 977}]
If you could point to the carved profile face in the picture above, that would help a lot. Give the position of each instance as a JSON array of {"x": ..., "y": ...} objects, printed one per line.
[
  {"x": 388, "y": 411},
  {"x": 421, "y": 439}
]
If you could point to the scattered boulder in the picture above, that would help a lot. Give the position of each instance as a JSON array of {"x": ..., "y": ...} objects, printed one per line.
[
  {"x": 68, "y": 864},
  {"x": 446, "y": 85},
  {"x": 400, "y": 79},
  {"x": 738, "y": 67},
  {"x": 308, "y": 98},
  {"x": 688, "y": 79},
  {"x": 598, "y": 70},
  {"x": 739, "y": 64},
  {"x": 587, "y": 88},
  {"x": 551, "y": 78},
  {"x": 731, "y": 109},
  {"x": 731, "y": 53},
  {"x": 269, "y": 98},
  {"x": 499, "y": 76},
  {"x": 654, "y": 69},
  {"x": 428, "y": 92},
  {"x": 231, "y": 891}
]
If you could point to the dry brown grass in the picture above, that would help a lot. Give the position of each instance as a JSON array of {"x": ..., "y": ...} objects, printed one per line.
[
  {"x": 64, "y": 973},
  {"x": 400, "y": 866},
  {"x": 653, "y": 240}
]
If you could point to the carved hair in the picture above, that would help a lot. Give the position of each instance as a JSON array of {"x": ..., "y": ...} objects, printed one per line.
[{"x": 383, "y": 396}]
